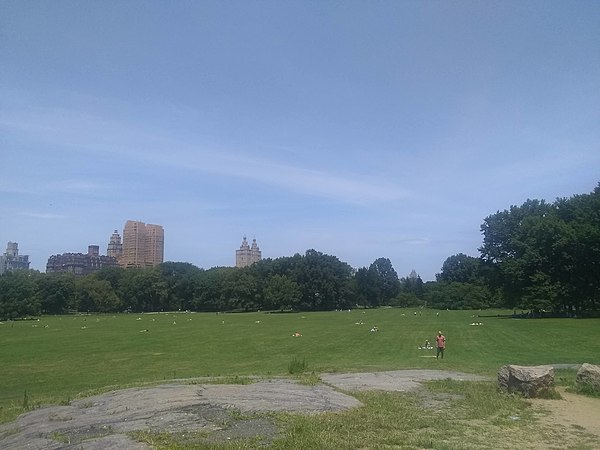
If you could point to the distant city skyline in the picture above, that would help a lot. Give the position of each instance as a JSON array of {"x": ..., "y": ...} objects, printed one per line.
[
  {"x": 142, "y": 246},
  {"x": 359, "y": 129},
  {"x": 245, "y": 256}
]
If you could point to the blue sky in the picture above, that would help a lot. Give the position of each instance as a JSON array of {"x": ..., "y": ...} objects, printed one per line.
[{"x": 360, "y": 129}]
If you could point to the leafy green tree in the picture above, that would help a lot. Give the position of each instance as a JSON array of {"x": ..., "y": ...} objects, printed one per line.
[
  {"x": 144, "y": 290},
  {"x": 501, "y": 230},
  {"x": 95, "y": 295},
  {"x": 182, "y": 283},
  {"x": 282, "y": 293},
  {"x": 57, "y": 292},
  {"x": 413, "y": 284},
  {"x": 384, "y": 280},
  {"x": 546, "y": 256},
  {"x": 406, "y": 300},
  {"x": 18, "y": 294},
  {"x": 324, "y": 281},
  {"x": 460, "y": 268},
  {"x": 365, "y": 287},
  {"x": 508, "y": 244},
  {"x": 582, "y": 213},
  {"x": 114, "y": 275},
  {"x": 455, "y": 295},
  {"x": 207, "y": 296},
  {"x": 240, "y": 291}
]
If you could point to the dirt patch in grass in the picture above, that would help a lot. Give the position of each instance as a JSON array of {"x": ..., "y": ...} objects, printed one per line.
[{"x": 572, "y": 417}]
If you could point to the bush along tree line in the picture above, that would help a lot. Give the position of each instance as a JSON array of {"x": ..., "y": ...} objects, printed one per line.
[{"x": 536, "y": 257}]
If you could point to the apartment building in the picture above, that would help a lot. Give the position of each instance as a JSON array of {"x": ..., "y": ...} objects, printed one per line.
[{"x": 143, "y": 245}]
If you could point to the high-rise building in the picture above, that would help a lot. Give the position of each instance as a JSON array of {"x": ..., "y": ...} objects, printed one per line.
[
  {"x": 115, "y": 248},
  {"x": 143, "y": 245},
  {"x": 247, "y": 254},
  {"x": 155, "y": 244},
  {"x": 11, "y": 260},
  {"x": 80, "y": 263}
]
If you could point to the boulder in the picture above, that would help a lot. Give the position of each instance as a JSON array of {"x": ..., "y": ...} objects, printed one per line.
[
  {"x": 588, "y": 377},
  {"x": 534, "y": 381}
]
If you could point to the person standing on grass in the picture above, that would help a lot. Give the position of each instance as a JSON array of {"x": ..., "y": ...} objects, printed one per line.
[{"x": 440, "y": 345}]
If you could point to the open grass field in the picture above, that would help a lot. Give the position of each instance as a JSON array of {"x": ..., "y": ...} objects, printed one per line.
[{"x": 59, "y": 358}]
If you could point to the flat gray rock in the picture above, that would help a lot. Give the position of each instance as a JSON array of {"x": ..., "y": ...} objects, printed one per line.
[
  {"x": 104, "y": 420},
  {"x": 397, "y": 380}
]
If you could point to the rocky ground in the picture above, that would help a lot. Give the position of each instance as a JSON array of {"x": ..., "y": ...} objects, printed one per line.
[{"x": 103, "y": 421}]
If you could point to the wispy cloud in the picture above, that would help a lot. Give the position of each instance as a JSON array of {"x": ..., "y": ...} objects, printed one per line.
[
  {"x": 44, "y": 216},
  {"x": 57, "y": 186},
  {"x": 99, "y": 136},
  {"x": 410, "y": 240},
  {"x": 350, "y": 188},
  {"x": 416, "y": 241},
  {"x": 11, "y": 189},
  {"x": 74, "y": 185}
]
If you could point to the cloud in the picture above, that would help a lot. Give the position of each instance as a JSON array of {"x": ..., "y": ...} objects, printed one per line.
[
  {"x": 348, "y": 189},
  {"x": 98, "y": 136},
  {"x": 59, "y": 186},
  {"x": 416, "y": 241},
  {"x": 44, "y": 216},
  {"x": 10, "y": 189},
  {"x": 74, "y": 185}
]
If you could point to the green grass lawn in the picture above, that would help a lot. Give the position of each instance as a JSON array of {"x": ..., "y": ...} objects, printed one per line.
[{"x": 59, "y": 358}]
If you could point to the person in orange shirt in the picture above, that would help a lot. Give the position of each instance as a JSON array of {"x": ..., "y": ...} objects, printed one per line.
[{"x": 440, "y": 345}]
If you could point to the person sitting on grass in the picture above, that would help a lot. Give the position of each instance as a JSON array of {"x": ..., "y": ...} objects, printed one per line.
[{"x": 426, "y": 346}]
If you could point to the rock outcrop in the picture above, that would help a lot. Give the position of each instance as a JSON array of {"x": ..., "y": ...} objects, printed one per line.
[
  {"x": 530, "y": 381},
  {"x": 588, "y": 377}
]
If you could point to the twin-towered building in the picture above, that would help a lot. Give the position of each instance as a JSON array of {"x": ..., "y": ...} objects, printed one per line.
[{"x": 247, "y": 255}]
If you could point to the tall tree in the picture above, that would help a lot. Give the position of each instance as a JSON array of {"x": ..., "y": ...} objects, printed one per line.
[
  {"x": 546, "y": 256},
  {"x": 144, "y": 290},
  {"x": 56, "y": 292},
  {"x": 241, "y": 291},
  {"x": 456, "y": 295},
  {"x": 412, "y": 284},
  {"x": 282, "y": 293},
  {"x": 324, "y": 281},
  {"x": 181, "y": 282},
  {"x": 385, "y": 280},
  {"x": 365, "y": 286},
  {"x": 18, "y": 294},
  {"x": 95, "y": 295},
  {"x": 460, "y": 268}
]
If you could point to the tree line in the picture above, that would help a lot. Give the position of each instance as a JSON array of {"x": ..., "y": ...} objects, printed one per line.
[
  {"x": 538, "y": 257},
  {"x": 310, "y": 282}
]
